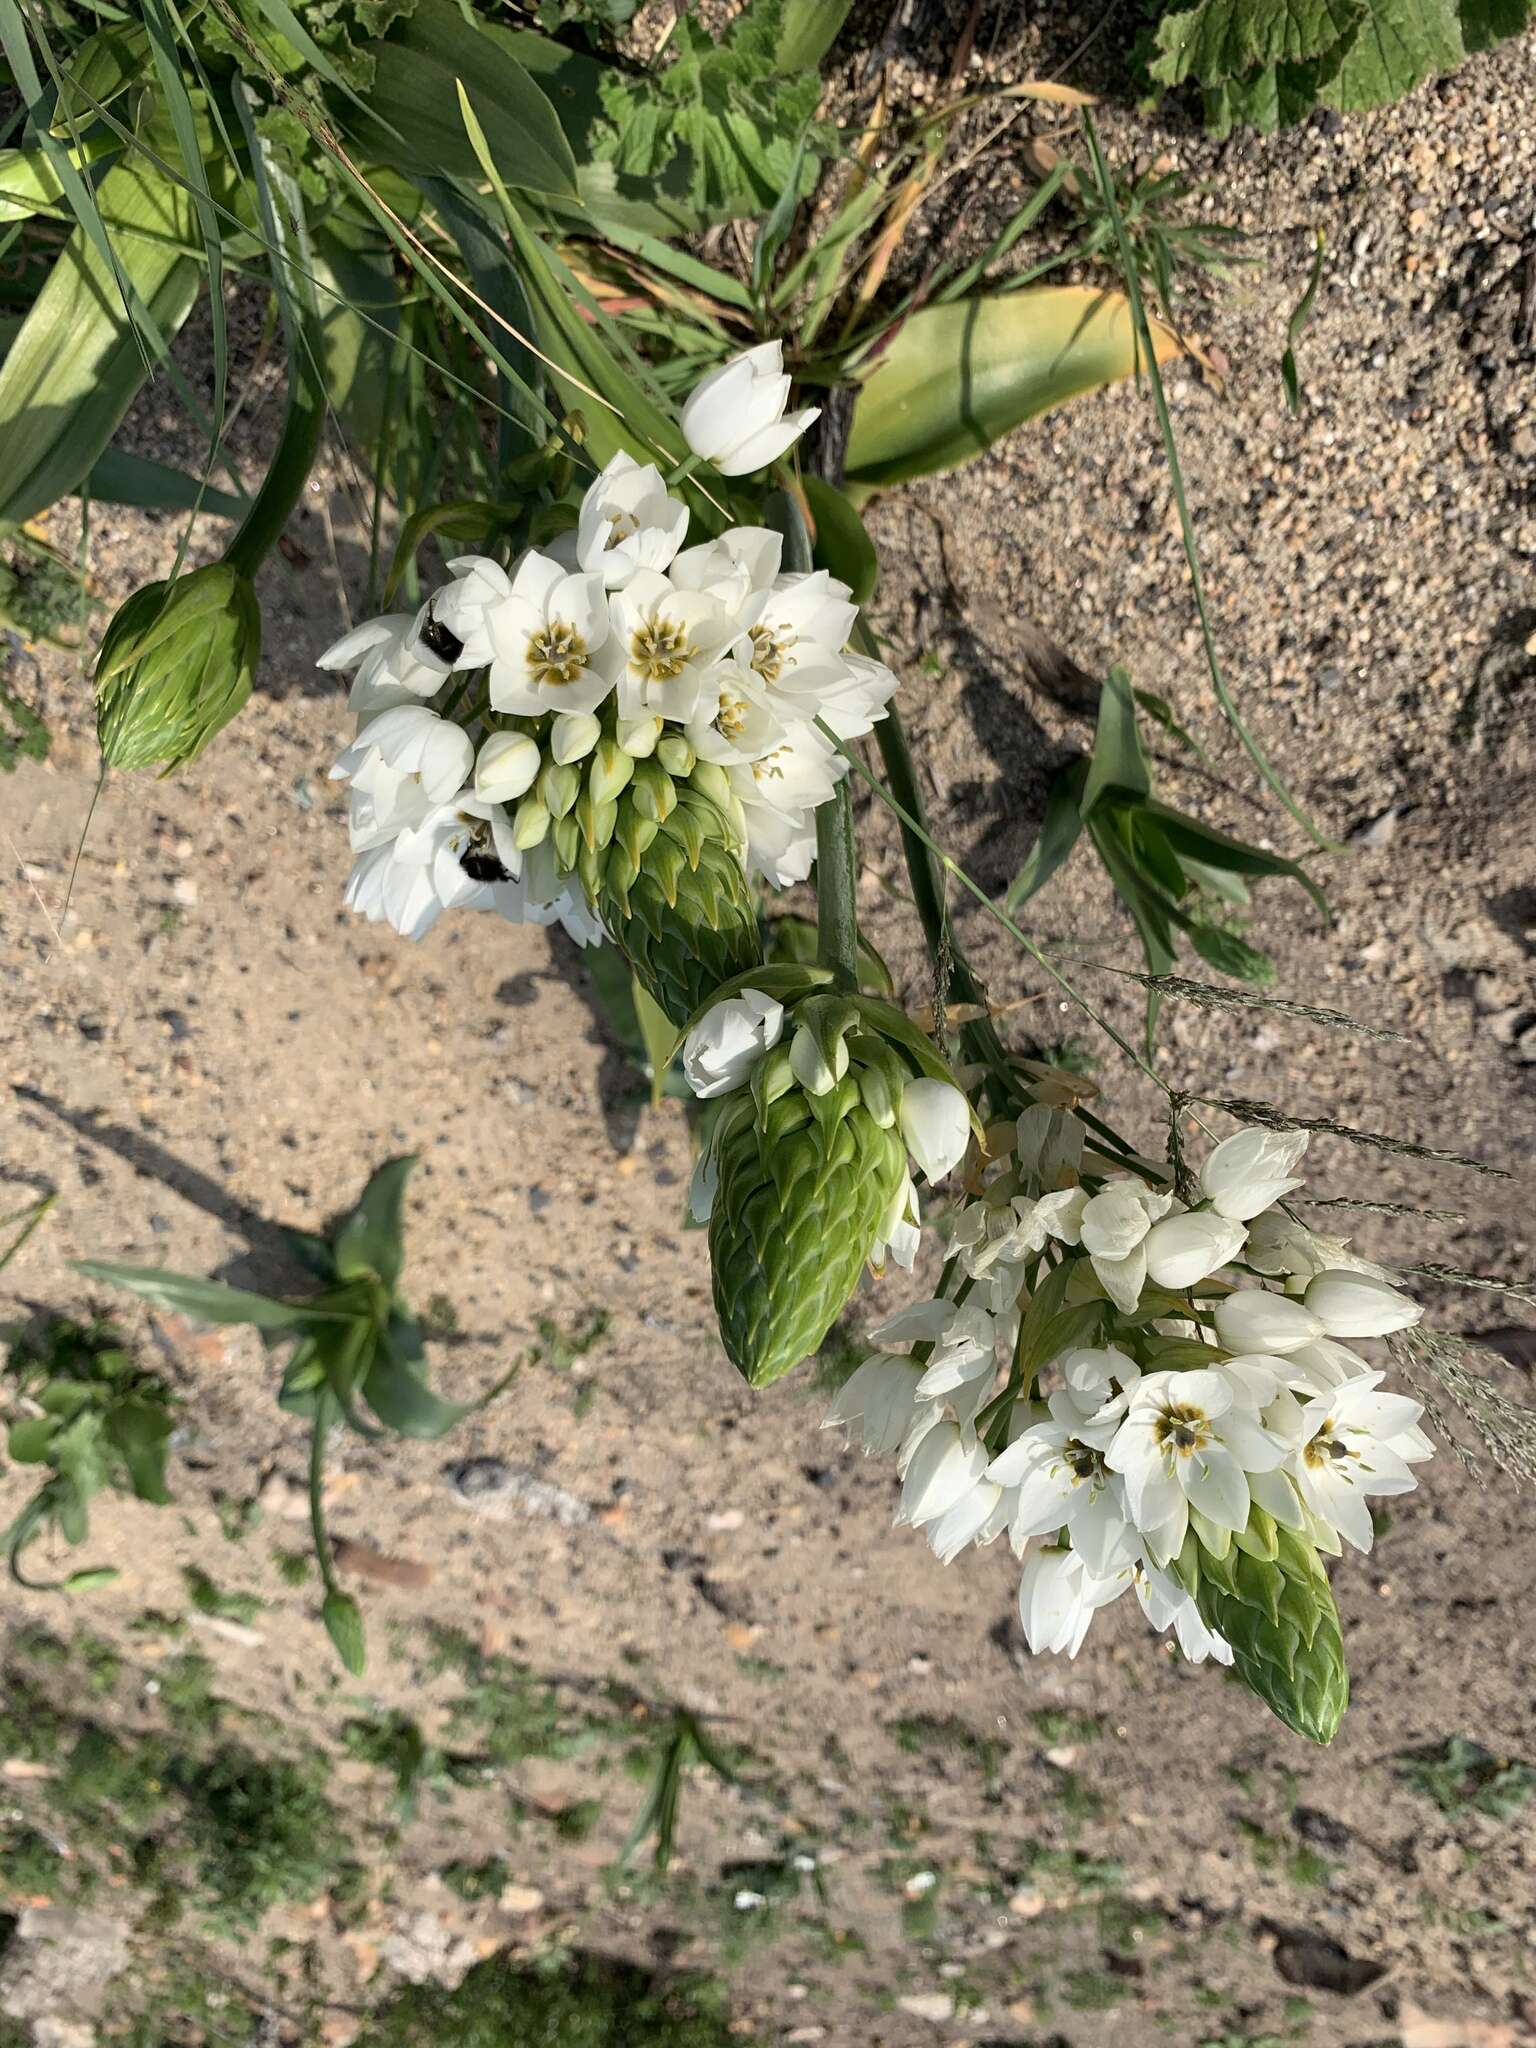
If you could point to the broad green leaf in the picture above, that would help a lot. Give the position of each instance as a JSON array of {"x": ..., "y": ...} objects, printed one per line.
[
  {"x": 955, "y": 379},
  {"x": 1230, "y": 953},
  {"x": 28, "y": 184},
  {"x": 104, "y": 66},
  {"x": 842, "y": 544},
  {"x": 1397, "y": 46},
  {"x": 418, "y": 69},
  {"x": 1161, "y": 712},
  {"x": 75, "y": 367},
  {"x": 309, "y": 1250},
  {"x": 1059, "y": 830},
  {"x": 1194, "y": 841},
  {"x": 30, "y": 1439},
  {"x": 118, "y": 478},
  {"x": 807, "y": 30},
  {"x": 371, "y": 1239},
  {"x": 206, "y": 1301},
  {"x": 91, "y": 1580},
  {"x": 359, "y": 303},
  {"x": 396, "y": 1388},
  {"x": 140, "y": 1430},
  {"x": 1117, "y": 761},
  {"x": 1222, "y": 39},
  {"x": 343, "y": 1620}
]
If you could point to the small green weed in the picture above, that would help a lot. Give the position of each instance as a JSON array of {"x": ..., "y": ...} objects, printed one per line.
[
  {"x": 209, "y": 1598},
  {"x": 1461, "y": 1776},
  {"x": 944, "y": 1736}
]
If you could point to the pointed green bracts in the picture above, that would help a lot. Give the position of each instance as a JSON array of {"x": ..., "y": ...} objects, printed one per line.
[
  {"x": 1270, "y": 1598},
  {"x": 797, "y": 1212}
]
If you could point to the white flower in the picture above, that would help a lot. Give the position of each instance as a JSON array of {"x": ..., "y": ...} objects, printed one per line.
[
  {"x": 936, "y": 1125},
  {"x": 1166, "y": 1605},
  {"x": 735, "y": 416},
  {"x": 628, "y": 522},
  {"x": 544, "y": 636},
  {"x": 1252, "y": 1171},
  {"x": 1356, "y": 1442},
  {"x": 964, "y": 1352},
  {"x": 1050, "y": 1146},
  {"x": 988, "y": 1234},
  {"x": 978, "y": 1516},
  {"x": 1190, "y": 1439},
  {"x": 1356, "y": 1305},
  {"x": 779, "y": 794},
  {"x": 734, "y": 723},
  {"x": 1183, "y": 1250},
  {"x": 392, "y": 665},
  {"x": 794, "y": 634},
  {"x": 1253, "y": 1319},
  {"x": 1059, "y": 1481},
  {"x": 1317, "y": 1367},
  {"x": 460, "y": 856},
  {"x": 879, "y": 1400},
  {"x": 1279, "y": 1246},
  {"x": 664, "y": 643},
  {"x": 721, "y": 1050},
  {"x": 463, "y": 607},
  {"x": 506, "y": 766},
  {"x": 1058, "y": 1598},
  {"x": 1096, "y": 1391},
  {"x": 901, "y": 1229},
  {"x": 734, "y": 569},
  {"x": 1113, "y": 1229},
  {"x": 937, "y": 1470},
  {"x": 407, "y": 744},
  {"x": 851, "y": 699}
]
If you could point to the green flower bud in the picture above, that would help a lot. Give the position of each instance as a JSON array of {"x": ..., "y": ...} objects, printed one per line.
[
  {"x": 559, "y": 785},
  {"x": 610, "y": 771},
  {"x": 344, "y": 1625},
  {"x": 638, "y": 736},
  {"x": 675, "y": 754},
  {"x": 176, "y": 664},
  {"x": 1270, "y": 1598},
  {"x": 530, "y": 822},
  {"x": 653, "y": 792}
]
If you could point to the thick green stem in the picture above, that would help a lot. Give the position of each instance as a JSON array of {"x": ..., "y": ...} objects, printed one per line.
[
  {"x": 324, "y": 1416},
  {"x": 282, "y": 216},
  {"x": 978, "y": 1038},
  {"x": 837, "y": 920}
]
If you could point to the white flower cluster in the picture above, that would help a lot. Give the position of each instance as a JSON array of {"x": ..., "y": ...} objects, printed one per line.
[
  {"x": 615, "y": 635},
  {"x": 1216, "y": 1377},
  {"x": 723, "y": 1048}
]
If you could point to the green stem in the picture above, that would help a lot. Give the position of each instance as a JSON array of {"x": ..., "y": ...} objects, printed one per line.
[
  {"x": 978, "y": 1039},
  {"x": 837, "y": 918},
  {"x": 324, "y": 1417},
  {"x": 293, "y": 281}
]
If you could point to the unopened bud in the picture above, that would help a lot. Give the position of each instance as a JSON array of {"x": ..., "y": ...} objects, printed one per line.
[{"x": 176, "y": 664}]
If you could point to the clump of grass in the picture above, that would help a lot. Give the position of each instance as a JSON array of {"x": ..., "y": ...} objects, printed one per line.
[
  {"x": 210, "y": 1598},
  {"x": 945, "y": 1736},
  {"x": 583, "y": 2001},
  {"x": 1460, "y": 1776}
]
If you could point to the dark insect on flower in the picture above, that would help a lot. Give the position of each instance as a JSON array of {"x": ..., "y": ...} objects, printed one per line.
[
  {"x": 437, "y": 639},
  {"x": 482, "y": 865}
]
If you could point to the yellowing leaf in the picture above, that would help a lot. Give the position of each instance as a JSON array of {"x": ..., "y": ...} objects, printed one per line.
[{"x": 957, "y": 378}]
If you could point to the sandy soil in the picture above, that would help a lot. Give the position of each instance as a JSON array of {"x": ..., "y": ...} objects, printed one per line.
[{"x": 209, "y": 1043}]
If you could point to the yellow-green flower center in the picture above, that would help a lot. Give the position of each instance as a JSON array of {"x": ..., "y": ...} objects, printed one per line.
[
  {"x": 1183, "y": 1429},
  {"x": 730, "y": 720},
  {"x": 1325, "y": 1448},
  {"x": 659, "y": 650},
  {"x": 770, "y": 650},
  {"x": 557, "y": 655}
]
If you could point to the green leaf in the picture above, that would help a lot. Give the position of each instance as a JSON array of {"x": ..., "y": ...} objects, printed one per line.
[
  {"x": 359, "y": 303},
  {"x": 139, "y": 1431},
  {"x": 75, "y": 367},
  {"x": 91, "y": 1579},
  {"x": 496, "y": 279},
  {"x": 1397, "y": 46},
  {"x": 418, "y": 70},
  {"x": 842, "y": 544},
  {"x": 1117, "y": 761},
  {"x": 1203, "y": 843},
  {"x": 309, "y": 1250},
  {"x": 343, "y": 1620},
  {"x": 371, "y": 1239},
  {"x": 807, "y": 30},
  {"x": 396, "y": 1388},
  {"x": 1222, "y": 39},
  {"x": 31, "y": 1439},
  {"x": 1059, "y": 830},
  {"x": 954, "y": 379},
  {"x": 206, "y": 1301},
  {"x": 1160, "y": 711},
  {"x": 118, "y": 478}
]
